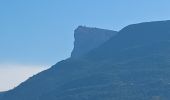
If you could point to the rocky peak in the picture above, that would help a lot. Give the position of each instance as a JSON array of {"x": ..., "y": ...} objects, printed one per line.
[{"x": 87, "y": 39}]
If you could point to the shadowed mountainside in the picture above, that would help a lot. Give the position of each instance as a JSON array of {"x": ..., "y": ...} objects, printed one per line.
[{"x": 132, "y": 65}]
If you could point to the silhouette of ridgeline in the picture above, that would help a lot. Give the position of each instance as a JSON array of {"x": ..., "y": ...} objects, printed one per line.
[{"x": 132, "y": 65}]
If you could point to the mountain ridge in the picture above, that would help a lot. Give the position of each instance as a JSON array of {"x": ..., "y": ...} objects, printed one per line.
[
  {"x": 125, "y": 36},
  {"x": 122, "y": 68}
]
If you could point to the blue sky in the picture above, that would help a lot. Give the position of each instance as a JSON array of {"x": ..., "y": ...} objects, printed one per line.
[{"x": 40, "y": 32}]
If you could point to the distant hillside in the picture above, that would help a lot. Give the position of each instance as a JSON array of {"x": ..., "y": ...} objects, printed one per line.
[{"x": 132, "y": 65}]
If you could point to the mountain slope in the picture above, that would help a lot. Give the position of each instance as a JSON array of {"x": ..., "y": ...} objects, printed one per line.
[{"x": 133, "y": 65}]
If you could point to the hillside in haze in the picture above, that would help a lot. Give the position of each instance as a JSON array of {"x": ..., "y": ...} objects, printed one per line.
[{"x": 132, "y": 64}]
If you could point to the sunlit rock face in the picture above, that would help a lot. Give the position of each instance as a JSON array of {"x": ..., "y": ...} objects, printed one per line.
[{"x": 86, "y": 39}]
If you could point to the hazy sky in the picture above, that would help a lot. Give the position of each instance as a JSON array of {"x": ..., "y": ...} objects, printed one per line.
[{"x": 40, "y": 32}]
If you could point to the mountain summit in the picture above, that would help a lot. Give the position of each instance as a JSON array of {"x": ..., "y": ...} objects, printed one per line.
[{"x": 86, "y": 39}]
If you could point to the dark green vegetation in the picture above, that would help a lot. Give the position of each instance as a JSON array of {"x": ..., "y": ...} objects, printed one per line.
[{"x": 132, "y": 65}]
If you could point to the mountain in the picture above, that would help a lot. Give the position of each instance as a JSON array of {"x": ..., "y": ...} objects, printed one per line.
[
  {"x": 132, "y": 65},
  {"x": 86, "y": 39}
]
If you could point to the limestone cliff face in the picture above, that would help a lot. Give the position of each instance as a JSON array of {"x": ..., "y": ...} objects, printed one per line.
[{"x": 87, "y": 39}]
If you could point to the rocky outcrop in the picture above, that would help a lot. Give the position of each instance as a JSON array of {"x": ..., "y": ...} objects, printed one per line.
[{"x": 87, "y": 39}]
